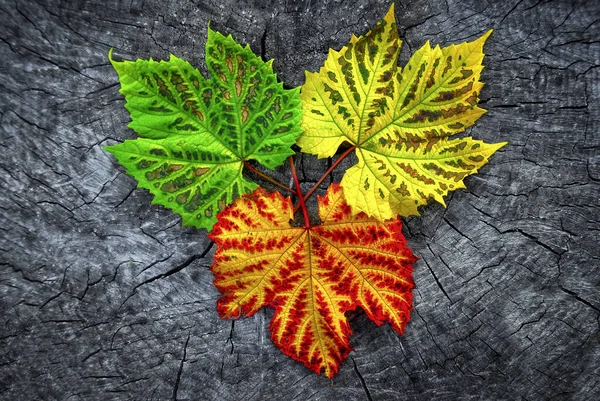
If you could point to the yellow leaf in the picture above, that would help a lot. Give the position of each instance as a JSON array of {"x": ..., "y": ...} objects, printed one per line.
[{"x": 399, "y": 120}]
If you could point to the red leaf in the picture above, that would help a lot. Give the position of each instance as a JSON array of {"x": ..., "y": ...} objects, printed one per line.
[{"x": 311, "y": 276}]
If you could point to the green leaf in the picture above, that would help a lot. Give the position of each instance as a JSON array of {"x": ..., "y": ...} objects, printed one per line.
[{"x": 197, "y": 132}]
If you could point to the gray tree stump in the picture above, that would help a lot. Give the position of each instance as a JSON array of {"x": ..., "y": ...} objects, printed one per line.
[{"x": 107, "y": 297}]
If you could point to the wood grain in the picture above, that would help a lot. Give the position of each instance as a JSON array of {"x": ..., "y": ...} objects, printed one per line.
[{"x": 104, "y": 296}]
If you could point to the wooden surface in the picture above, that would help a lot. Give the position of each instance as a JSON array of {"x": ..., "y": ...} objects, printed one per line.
[{"x": 104, "y": 296}]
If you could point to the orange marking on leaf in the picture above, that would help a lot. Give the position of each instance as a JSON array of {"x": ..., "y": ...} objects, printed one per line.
[{"x": 311, "y": 276}]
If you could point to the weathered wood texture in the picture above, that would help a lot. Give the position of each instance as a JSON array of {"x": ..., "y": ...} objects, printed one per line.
[{"x": 104, "y": 296}]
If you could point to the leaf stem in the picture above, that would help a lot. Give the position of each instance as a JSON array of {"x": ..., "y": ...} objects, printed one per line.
[
  {"x": 329, "y": 170},
  {"x": 299, "y": 193},
  {"x": 267, "y": 178}
]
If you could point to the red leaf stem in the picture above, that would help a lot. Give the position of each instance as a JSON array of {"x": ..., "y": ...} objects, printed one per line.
[
  {"x": 267, "y": 178},
  {"x": 329, "y": 170},
  {"x": 299, "y": 193}
]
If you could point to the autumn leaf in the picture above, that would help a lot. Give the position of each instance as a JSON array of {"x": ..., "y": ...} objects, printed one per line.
[
  {"x": 311, "y": 276},
  {"x": 399, "y": 120},
  {"x": 197, "y": 132}
]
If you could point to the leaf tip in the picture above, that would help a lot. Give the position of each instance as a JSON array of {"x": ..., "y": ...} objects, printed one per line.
[
  {"x": 482, "y": 39},
  {"x": 390, "y": 12},
  {"x": 500, "y": 145},
  {"x": 487, "y": 34},
  {"x": 113, "y": 62},
  {"x": 110, "y": 148}
]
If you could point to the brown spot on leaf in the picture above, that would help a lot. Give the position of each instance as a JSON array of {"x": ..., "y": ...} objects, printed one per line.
[
  {"x": 176, "y": 79},
  {"x": 158, "y": 152},
  {"x": 433, "y": 137},
  {"x": 245, "y": 114},
  {"x": 403, "y": 190},
  {"x": 413, "y": 88},
  {"x": 413, "y": 173},
  {"x": 238, "y": 87},
  {"x": 472, "y": 100},
  {"x": 174, "y": 167},
  {"x": 453, "y": 111},
  {"x": 334, "y": 95},
  {"x": 386, "y": 76},
  {"x": 423, "y": 115},
  {"x": 182, "y": 198},
  {"x": 200, "y": 171},
  {"x": 449, "y": 95},
  {"x": 454, "y": 149},
  {"x": 169, "y": 186},
  {"x": 144, "y": 164},
  {"x": 459, "y": 163},
  {"x": 437, "y": 170},
  {"x": 390, "y": 54},
  {"x": 276, "y": 105},
  {"x": 431, "y": 80},
  {"x": 448, "y": 65}
]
